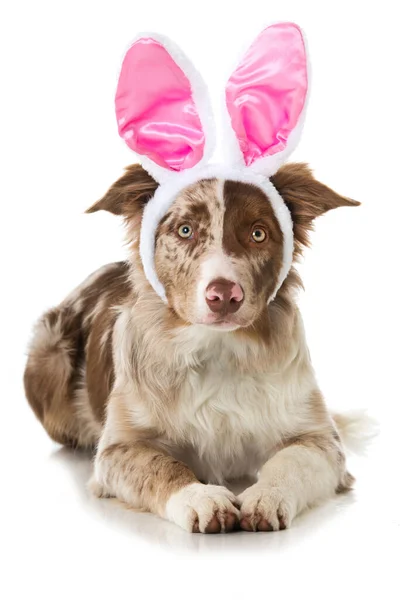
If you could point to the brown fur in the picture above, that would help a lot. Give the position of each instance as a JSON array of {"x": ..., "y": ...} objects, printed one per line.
[
  {"x": 129, "y": 194},
  {"x": 66, "y": 339},
  {"x": 246, "y": 209},
  {"x": 142, "y": 466},
  {"x": 306, "y": 199}
]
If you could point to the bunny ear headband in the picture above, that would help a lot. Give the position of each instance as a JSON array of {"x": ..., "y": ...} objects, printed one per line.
[{"x": 164, "y": 115}]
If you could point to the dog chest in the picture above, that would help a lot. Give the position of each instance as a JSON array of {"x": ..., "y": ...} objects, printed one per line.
[{"x": 229, "y": 423}]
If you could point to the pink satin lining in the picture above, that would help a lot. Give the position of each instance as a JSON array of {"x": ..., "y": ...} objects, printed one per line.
[
  {"x": 266, "y": 94},
  {"x": 155, "y": 110}
]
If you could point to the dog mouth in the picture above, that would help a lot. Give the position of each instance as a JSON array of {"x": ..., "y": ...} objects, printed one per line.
[{"x": 222, "y": 323}]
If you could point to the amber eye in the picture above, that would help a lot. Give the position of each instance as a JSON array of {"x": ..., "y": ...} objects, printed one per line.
[
  {"x": 258, "y": 234},
  {"x": 185, "y": 231}
]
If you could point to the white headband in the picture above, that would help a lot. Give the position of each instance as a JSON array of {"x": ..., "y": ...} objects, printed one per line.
[{"x": 165, "y": 116}]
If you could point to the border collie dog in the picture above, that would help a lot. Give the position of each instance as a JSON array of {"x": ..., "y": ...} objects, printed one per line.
[{"x": 179, "y": 398}]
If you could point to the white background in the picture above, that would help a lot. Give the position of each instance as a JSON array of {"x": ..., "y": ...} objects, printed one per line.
[{"x": 59, "y": 152}]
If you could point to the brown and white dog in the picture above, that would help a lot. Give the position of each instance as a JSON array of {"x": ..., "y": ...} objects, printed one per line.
[{"x": 178, "y": 399}]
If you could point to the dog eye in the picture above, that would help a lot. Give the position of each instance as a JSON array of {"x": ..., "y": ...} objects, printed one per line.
[
  {"x": 258, "y": 234},
  {"x": 185, "y": 231}
]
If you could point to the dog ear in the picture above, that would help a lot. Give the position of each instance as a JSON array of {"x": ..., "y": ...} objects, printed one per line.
[
  {"x": 306, "y": 198},
  {"x": 129, "y": 194}
]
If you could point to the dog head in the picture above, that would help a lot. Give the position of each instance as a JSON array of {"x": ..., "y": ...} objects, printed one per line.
[{"x": 219, "y": 248}]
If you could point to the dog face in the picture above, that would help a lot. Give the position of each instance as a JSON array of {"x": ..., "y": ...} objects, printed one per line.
[
  {"x": 218, "y": 253},
  {"x": 219, "y": 248}
]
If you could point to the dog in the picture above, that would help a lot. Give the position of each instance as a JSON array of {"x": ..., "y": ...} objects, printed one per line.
[{"x": 178, "y": 399}]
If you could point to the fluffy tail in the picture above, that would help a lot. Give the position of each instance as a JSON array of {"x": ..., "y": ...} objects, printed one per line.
[{"x": 356, "y": 429}]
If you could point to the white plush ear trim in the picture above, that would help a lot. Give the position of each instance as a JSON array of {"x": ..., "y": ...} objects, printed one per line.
[
  {"x": 166, "y": 193},
  {"x": 268, "y": 165},
  {"x": 200, "y": 97}
]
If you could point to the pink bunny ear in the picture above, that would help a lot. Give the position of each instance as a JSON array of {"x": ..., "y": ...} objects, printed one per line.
[
  {"x": 156, "y": 113},
  {"x": 266, "y": 96}
]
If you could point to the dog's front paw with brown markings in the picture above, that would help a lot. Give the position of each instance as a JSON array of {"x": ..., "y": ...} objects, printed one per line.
[
  {"x": 265, "y": 509},
  {"x": 201, "y": 508}
]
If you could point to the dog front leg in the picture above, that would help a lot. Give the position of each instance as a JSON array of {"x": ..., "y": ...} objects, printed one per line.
[
  {"x": 308, "y": 469},
  {"x": 147, "y": 477}
]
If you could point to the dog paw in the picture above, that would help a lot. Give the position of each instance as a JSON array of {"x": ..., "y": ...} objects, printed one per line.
[
  {"x": 265, "y": 509},
  {"x": 96, "y": 489},
  {"x": 200, "y": 508}
]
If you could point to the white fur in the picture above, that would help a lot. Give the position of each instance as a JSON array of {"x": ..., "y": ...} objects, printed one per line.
[
  {"x": 294, "y": 479},
  {"x": 357, "y": 430},
  {"x": 217, "y": 264},
  {"x": 228, "y": 422},
  {"x": 202, "y": 502},
  {"x": 225, "y": 423}
]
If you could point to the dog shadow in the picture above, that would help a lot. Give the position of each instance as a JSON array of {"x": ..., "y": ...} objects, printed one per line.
[{"x": 154, "y": 530}]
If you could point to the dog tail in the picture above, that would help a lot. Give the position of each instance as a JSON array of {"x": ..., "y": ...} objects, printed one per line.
[{"x": 357, "y": 429}]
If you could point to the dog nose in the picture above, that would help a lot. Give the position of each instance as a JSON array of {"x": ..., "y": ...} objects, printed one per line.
[{"x": 223, "y": 296}]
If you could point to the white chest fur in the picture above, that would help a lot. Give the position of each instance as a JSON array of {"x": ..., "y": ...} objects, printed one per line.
[
  {"x": 226, "y": 422},
  {"x": 218, "y": 403}
]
